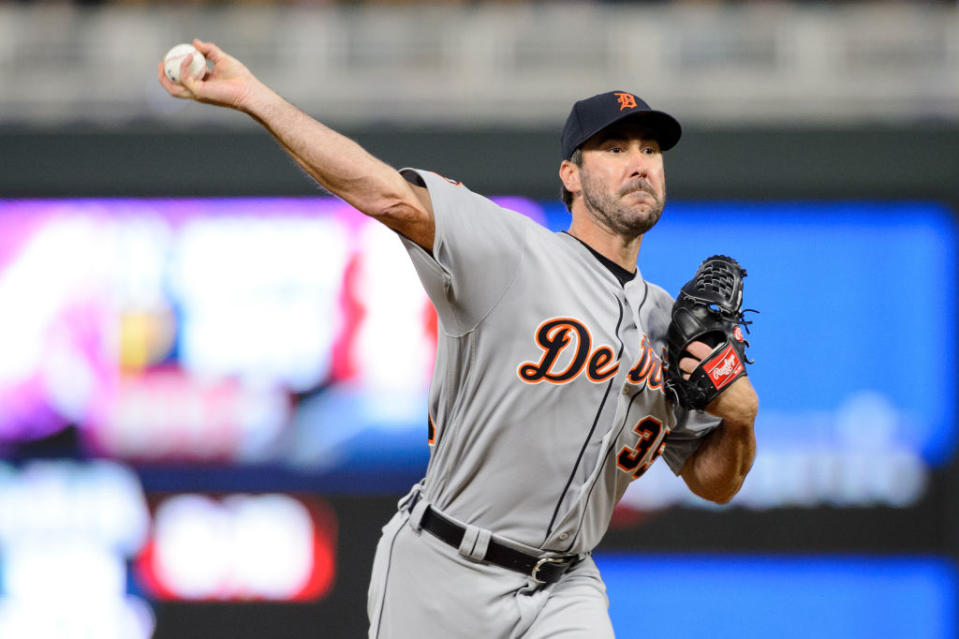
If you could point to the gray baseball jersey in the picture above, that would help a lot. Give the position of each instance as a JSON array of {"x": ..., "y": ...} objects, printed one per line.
[{"x": 547, "y": 395}]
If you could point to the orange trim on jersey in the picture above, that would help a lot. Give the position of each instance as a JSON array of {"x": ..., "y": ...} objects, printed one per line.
[
  {"x": 553, "y": 347},
  {"x": 451, "y": 181},
  {"x": 553, "y": 337},
  {"x": 648, "y": 368},
  {"x": 637, "y": 459},
  {"x": 654, "y": 381},
  {"x": 431, "y": 430},
  {"x": 597, "y": 361},
  {"x": 640, "y": 371}
]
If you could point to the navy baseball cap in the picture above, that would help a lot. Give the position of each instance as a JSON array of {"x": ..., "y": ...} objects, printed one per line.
[{"x": 590, "y": 116}]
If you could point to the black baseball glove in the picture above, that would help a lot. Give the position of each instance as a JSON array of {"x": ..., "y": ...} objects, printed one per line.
[{"x": 708, "y": 310}]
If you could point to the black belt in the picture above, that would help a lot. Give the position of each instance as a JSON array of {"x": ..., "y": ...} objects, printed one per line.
[{"x": 544, "y": 570}]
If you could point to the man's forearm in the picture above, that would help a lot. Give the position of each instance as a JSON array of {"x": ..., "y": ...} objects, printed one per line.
[
  {"x": 337, "y": 163},
  {"x": 717, "y": 470}
]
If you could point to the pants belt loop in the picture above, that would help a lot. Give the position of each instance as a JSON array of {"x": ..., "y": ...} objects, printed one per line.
[
  {"x": 409, "y": 499},
  {"x": 475, "y": 543},
  {"x": 416, "y": 514}
]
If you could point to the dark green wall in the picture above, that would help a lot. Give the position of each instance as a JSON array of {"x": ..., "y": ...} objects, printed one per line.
[{"x": 875, "y": 163}]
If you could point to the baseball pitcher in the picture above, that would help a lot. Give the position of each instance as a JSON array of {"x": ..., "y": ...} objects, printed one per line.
[{"x": 561, "y": 374}]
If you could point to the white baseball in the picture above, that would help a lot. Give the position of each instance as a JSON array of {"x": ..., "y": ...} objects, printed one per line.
[{"x": 174, "y": 57}]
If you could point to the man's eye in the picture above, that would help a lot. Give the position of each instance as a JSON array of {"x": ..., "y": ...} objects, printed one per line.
[{"x": 615, "y": 149}]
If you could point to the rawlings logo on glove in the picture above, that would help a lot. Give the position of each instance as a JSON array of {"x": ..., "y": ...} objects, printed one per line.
[
  {"x": 724, "y": 369},
  {"x": 708, "y": 310}
]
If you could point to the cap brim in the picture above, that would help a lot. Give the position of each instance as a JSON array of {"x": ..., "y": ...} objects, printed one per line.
[{"x": 664, "y": 127}]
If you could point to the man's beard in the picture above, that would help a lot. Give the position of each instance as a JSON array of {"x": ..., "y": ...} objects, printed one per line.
[{"x": 619, "y": 217}]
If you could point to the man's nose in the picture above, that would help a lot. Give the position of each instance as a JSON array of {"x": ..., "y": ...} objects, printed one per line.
[{"x": 638, "y": 163}]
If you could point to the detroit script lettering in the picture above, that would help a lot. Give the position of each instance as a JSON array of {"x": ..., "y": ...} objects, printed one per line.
[{"x": 567, "y": 351}]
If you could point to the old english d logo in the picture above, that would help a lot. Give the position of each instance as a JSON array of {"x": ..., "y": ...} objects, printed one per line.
[
  {"x": 724, "y": 368},
  {"x": 626, "y": 101}
]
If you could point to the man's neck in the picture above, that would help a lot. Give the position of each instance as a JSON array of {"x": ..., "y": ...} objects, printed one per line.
[{"x": 620, "y": 250}]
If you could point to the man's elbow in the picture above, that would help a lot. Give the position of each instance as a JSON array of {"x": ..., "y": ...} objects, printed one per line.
[
  {"x": 718, "y": 494},
  {"x": 408, "y": 217},
  {"x": 397, "y": 202},
  {"x": 723, "y": 498},
  {"x": 397, "y": 210}
]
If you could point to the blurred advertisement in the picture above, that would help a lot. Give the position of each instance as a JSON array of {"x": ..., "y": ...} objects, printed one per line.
[
  {"x": 67, "y": 531},
  {"x": 241, "y": 547},
  {"x": 293, "y": 332},
  {"x": 83, "y": 555}
]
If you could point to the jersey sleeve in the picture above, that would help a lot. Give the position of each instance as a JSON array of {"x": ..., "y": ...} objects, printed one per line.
[
  {"x": 691, "y": 426},
  {"x": 686, "y": 436},
  {"x": 477, "y": 249}
]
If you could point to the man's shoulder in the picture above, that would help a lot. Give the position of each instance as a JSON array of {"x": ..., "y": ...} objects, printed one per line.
[
  {"x": 430, "y": 179},
  {"x": 658, "y": 295},
  {"x": 656, "y": 313}
]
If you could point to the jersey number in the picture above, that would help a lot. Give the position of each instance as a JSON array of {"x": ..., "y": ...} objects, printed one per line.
[{"x": 631, "y": 459}]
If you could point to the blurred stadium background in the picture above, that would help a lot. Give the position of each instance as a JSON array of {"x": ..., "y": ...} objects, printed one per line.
[{"x": 213, "y": 377}]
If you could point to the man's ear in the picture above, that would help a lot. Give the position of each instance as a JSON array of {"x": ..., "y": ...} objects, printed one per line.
[{"x": 569, "y": 174}]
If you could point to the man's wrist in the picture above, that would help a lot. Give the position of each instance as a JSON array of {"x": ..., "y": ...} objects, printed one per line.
[
  {"x": 737, "y": 405},
  {"x": 258, "y": 100}
]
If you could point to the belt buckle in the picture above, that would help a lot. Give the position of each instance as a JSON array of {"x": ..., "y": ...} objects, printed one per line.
[{"x": 539, "y": 564}]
